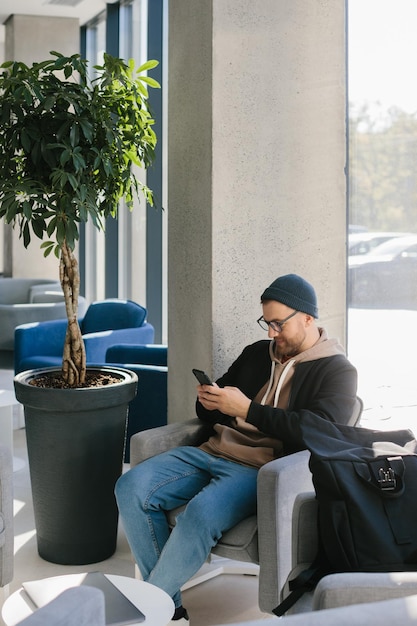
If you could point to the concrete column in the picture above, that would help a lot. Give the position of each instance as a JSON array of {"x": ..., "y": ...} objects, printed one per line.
[
  {"x": 28, "y": 39},
  {"x": 256, "y": 182}
]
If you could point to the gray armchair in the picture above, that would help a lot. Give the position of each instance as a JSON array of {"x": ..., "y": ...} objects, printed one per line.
[
  {"x": 29, "y": 300},
  {"x": 241, "y": 542},
  {"x": 265, "y": 538}
]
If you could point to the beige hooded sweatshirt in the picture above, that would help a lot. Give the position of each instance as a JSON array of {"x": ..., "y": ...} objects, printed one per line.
[{"x": 243, "y": 442}]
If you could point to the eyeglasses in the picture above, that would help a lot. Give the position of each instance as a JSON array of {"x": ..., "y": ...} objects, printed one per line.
[{"x": 275, "y": 325}]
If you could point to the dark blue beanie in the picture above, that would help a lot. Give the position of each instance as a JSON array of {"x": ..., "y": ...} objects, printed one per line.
[{"x": 294, "y": 292}]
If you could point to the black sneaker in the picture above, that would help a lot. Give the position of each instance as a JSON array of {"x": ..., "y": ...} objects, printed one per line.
[{"x": 181, "y": 621}]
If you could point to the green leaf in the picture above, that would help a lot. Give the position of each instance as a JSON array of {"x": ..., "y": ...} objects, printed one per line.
[
  {"x": 26, "y": 235},
  {"x": 148, "y": 65},
  {"x": 82, "y": 191},
  {"x": 36, "y": 153},
  {"x": 39, "y": 227},
  {"x": 87, "y": 129},
  {"x": 74, "y": 135},
  {"x": 72, "y": 180},
  {"x": 150, "y": 81},
  {"x": 51, "y": 226},
  {"x": 78, "y": 161},
  {"x": 48, "y": 250},
  {"x": 62, "y": 130},
  {"x": 66, "y": 145},
  {"x": 65, "y": 157},
  {"x": 27, "y": 210},
  {"x": 27, "y": 96},
  {"x": 49, "y": 102},
  {"x": 142, "y": 89},
  {"x": 60, "y": 62},
  {"x": 25, "y": 140}
]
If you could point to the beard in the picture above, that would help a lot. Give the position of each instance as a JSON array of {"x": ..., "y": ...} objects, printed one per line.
[{"x": 285, "y": 347}]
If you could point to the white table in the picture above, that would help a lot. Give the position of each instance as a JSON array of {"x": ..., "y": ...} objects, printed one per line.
[
  {"x": 7, "y": 402},
  {"x": 154, "y": 603}
]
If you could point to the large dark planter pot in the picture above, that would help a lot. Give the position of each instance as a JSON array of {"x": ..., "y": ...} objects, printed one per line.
[{"x": 75, "y": 442}]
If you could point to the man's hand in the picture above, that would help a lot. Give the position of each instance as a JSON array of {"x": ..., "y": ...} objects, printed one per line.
[{"x": 229, "y": 400}]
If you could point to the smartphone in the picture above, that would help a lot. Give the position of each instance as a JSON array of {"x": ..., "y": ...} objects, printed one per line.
[{"x": 202, "y": 377}]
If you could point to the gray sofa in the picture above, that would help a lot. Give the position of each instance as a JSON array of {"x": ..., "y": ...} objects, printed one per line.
[{"x": 24, "y": 300}]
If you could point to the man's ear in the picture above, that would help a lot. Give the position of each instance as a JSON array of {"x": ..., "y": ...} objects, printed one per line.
[{"x": 309, "y": 319}]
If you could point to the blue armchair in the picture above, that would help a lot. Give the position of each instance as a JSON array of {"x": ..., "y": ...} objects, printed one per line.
[
  {"x": 104, "y": 324},
  {"x": 149, "y": 408}
]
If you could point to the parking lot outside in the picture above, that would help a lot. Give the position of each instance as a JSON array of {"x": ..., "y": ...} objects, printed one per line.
[{"x": 385, "y": 276}]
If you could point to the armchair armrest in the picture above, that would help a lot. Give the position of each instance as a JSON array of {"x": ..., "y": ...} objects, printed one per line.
[
  {"x": 144, "y": 354},
  {"x": 344, "y": 589},
  {"x": 148, "y": 443},
  {"x": 96, "y": 344},
  {"x": 279, "y": 483}
]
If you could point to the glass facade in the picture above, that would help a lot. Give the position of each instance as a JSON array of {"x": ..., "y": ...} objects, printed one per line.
[
  {"x": 382, "y": 247},
  {"x": 131, "y": 252}
]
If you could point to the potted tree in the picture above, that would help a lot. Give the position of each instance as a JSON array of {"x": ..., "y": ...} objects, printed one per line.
[{"x": 68, "y": 144}]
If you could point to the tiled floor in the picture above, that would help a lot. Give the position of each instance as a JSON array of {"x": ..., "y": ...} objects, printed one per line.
[{"x": 382, "y": 347}]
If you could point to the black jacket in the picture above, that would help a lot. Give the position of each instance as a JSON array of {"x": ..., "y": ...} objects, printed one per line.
[{"x": 325, "y": 388}]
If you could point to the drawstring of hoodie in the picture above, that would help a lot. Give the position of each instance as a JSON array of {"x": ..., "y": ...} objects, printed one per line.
[{"x": 287, "y": 367}]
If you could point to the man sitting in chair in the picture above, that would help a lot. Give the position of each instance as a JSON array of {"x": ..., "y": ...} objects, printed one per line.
[{"x": 254, "y": 409}]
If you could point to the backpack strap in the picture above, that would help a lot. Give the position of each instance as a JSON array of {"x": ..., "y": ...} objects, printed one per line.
[
  {"x": 389, "y": 476},
  {"x": 303, "y": 583}
]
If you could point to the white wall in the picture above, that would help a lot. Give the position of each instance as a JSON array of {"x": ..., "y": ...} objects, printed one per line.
[{"x": 29, "y": 39}]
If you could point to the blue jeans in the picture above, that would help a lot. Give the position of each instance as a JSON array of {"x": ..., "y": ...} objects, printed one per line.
[{"x": 218, "y": 494}]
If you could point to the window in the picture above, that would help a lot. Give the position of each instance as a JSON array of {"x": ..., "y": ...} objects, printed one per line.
[
  {"x": 94, "y": 280},
  {"x": 129, "y": 266},
  {"x": 132, "y": 226},
  {"x": 382, "y": 283},
  {"x": 130, "y": 262}
]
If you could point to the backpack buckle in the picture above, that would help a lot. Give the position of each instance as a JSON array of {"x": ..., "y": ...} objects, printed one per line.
[{"x": 386, "y": 479}]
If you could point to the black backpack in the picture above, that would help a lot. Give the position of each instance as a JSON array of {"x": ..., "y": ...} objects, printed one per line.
[{"x": 366, "y": 487}]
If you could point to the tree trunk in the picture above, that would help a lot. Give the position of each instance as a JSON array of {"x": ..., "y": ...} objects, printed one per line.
[{"x": 73, "y": 360}]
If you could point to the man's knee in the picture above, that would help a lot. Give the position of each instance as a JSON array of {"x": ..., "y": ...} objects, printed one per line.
[
  {"x": 127, "y": 487},
  {"x": 136, "y": 487}
]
